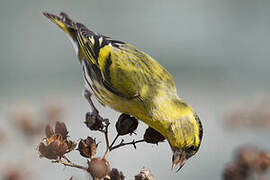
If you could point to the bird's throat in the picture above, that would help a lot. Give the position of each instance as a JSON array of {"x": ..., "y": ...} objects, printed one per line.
[{"x": 174, "y": 119}]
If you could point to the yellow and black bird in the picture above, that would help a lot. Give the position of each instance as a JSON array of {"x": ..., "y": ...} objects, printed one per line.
[{"x": 130, "y": 81}]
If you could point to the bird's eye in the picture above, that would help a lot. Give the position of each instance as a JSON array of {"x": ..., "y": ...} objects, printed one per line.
[{"x": 191, "y": 148}]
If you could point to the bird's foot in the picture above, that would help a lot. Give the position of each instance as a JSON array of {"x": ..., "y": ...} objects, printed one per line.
[
  {"x": 95, "y": 122},
  {"x": 92, "y": 119}
]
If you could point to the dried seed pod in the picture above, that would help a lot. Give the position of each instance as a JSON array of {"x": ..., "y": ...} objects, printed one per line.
[
  {"x": 56, "y": 144},
  {"x": 99, "y": 168},
  {"x": 144, "y": 174},
  {"x": 116, "y": 175},
  {"x": 262, "y": 162},
  {"x": 52, "y": 147},
  {"x": 234, "y": 172},
  {"x": 152, "y": 136},
  {"x": 249, "y": 161},
  {"x": 93, "y": 121},
  {"x": 126, "y": 124},
  {"x": 87, "y": 147},
  {"x": 246, "y": 157}
]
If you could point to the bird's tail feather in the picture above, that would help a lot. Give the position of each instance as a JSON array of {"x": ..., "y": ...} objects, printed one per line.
[
  {"x": 64, "y": 22},
  {"x": 69, "y": 27}
]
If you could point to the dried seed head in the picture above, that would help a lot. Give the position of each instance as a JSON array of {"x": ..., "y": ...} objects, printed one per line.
[
  {"x": 116, "y": 175},
  {"x": 99, "y": 168},
  {"x": 152, "y": 136},
  {"x": 246, "y": 157},
  {"x": 93, "y": 121},
  {"x": 56, "y": 143},
  {"x": 234, "y": 172},
  {"x": 262, "y": 162},
  {"x": 126, "y": 124},
  {"x": 51, "y": 148},
  {"x": 87, "y": 147},
  {"x": 249, "y": 160},
  {"x": 145, "y": 174}
]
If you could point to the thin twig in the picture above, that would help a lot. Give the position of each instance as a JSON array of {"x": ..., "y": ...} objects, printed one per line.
[
  {"x": 116, "y": 137},
  {"x": 70, "y": 164},
  {"x": 128, "y": 143},
  {"x": 66, "y": 158},
  {"x": 107, "y": 141}
]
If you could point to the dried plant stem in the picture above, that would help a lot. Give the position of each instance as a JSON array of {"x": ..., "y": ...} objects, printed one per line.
[
  {"x": 116, "y": 137},
  {"x": 128, "y": 143},
  {"x": 107, "y": 141},
  {"x": 70, "y": 164},
  {"x": 66, "y": 158}
]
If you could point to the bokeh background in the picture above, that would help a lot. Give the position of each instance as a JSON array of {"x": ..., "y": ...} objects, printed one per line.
[{"x": 217, "y": 51}]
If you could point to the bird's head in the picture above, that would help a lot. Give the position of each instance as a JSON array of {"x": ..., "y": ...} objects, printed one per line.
[{"x": 186, "y": 140}]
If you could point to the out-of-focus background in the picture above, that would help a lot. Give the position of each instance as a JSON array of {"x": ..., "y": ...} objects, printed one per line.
[{"x": 217, "y": 51}]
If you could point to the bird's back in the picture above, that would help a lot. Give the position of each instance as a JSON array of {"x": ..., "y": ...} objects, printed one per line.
[{"x": 120, "y": 75}]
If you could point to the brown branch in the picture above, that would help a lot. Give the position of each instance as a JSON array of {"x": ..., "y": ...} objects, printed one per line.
[
  {"x": 128, "y": 143},
  {"x": 70, "y": 164},
  {"x": 66, "y": 158},
  {"x": 116, "y": 137},
  {"x": 107, "y": 141}
]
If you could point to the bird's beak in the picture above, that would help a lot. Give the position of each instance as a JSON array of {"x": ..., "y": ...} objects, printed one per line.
[{"x": 178, "y": 159}]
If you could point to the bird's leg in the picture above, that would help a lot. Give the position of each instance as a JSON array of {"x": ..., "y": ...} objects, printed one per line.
[
  {"x": 95, "y": 122},
  {"x": 87, "y": 95}
]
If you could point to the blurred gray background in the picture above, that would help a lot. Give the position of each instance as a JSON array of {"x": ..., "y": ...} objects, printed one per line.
[{"x": 217, "y": 51}]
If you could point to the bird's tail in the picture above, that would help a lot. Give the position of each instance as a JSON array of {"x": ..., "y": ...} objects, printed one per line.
[
  {"x": 68, "y": 26},
  {"x": 64, "y": 22}
]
